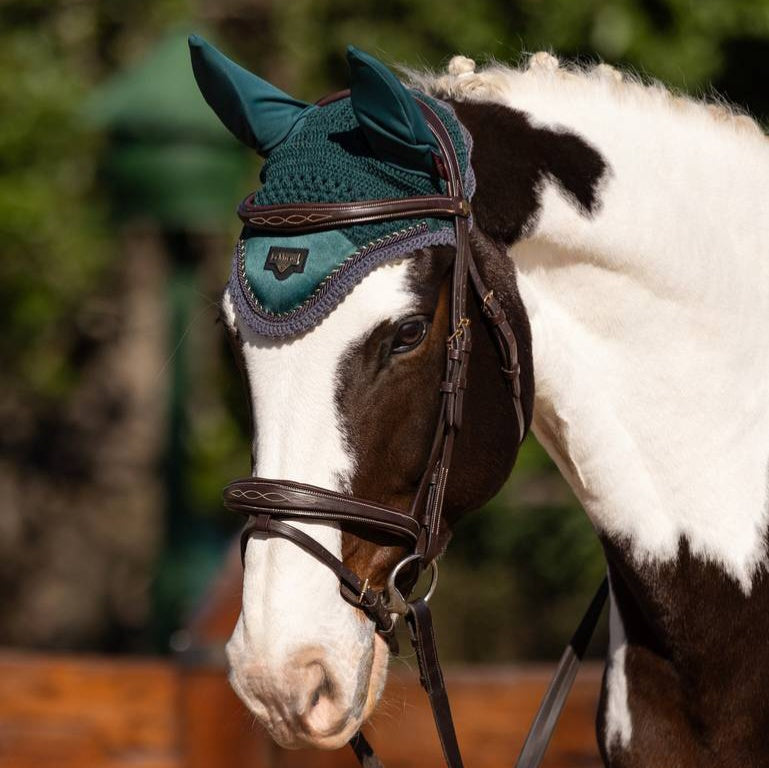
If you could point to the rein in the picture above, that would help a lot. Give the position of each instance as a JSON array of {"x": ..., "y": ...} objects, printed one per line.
[{"x": 270, "y": 503}]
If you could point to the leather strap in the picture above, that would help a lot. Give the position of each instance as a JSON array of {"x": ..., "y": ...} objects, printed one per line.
[
  {"x": 420, "y": 623},
  {"x": 504, "y": 337},
  {"x": 541, "y": 731},
  {"x": 459, "y": 343},
  {"x": 315, "y": 217},
  {"x": 372, "y": 602},
  {"x": 363, "y": 751},
  {"x": 284, "y": 498},
  {"x": 546, "y": 719}
]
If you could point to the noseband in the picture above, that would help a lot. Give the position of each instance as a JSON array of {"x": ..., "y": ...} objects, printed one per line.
[{"x": 269, "y": 504}]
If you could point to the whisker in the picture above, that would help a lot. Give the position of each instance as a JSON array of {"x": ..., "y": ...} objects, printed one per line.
[{"x": 182, "y": 339}]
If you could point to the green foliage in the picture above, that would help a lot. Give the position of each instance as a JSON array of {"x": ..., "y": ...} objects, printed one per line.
[
  {"x": 691, "y": 46},
  {"x": 532, "y": 552},
  {"x": 50, "y": 235},
  {"x": 415, "y": 32},
  {"x": 52, "y": 223},
  {"x": 680, "y": 42}
]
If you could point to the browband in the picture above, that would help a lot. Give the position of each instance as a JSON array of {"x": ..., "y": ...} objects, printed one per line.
[{"x": 316, "y": 217}]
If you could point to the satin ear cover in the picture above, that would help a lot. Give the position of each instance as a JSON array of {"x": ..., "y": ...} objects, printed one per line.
[
  {"x": 262, "y": 116},
  {"x": 393, "y": 124},
  {"x": 255, "y": 112}
]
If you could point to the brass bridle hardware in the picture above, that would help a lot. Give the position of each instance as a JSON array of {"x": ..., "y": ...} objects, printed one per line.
[{"x": 459, "y": 331}]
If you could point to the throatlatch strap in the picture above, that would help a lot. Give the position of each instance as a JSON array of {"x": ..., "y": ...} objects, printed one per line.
[{"x": 504, "y": 337}]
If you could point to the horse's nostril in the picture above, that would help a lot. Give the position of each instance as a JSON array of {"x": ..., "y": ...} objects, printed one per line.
[
  {"x": 317, "y": 680},
  {"x": 323, "y": 714}
]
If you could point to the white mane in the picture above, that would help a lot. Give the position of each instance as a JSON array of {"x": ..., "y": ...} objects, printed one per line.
[
  {"x": 462, "y": 81},
  {"x": 649, "y": 319}
]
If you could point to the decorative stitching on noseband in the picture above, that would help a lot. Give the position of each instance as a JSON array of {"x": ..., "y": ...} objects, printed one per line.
[{"x": 252, "y": 495}]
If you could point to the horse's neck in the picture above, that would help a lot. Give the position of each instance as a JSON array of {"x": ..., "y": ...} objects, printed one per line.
[{"x": 649, "y": 325}]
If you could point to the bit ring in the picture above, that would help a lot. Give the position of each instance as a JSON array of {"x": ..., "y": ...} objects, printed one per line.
[{"x": 396, "y": 603}]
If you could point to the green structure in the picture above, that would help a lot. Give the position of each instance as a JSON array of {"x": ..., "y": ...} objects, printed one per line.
[
  {"x": 171, "y": 168},
  {"x": 169, "y": 159}
]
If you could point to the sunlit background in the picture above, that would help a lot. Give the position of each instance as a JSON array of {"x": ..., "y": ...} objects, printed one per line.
[{"x": 121, "y": 412}]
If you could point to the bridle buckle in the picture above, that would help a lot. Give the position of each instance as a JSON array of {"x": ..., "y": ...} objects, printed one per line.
[
  {"x": 459, "y": 331},
  {"x": 362, "y": 592}
]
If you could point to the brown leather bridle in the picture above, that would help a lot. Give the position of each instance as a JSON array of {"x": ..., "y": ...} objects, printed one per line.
[{"x": 270, "y": 503}]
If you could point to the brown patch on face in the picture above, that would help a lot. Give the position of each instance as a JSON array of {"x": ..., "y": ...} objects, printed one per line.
[
  {"x": 513, "y": 159},
  {"x": 697, "y": 663},
  {"x": 390, "y": 405}
]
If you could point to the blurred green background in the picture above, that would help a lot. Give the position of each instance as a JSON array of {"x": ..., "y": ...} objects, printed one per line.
[{"x": 121, "y": 414}]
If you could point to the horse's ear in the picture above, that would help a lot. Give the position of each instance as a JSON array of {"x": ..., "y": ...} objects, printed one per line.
[
  {"x": 390, "y": 118},
  {"x": 257, "y": 113}
]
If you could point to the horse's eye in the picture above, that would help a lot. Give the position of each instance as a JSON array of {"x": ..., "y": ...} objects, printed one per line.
[{"x": 410, "y": 334}]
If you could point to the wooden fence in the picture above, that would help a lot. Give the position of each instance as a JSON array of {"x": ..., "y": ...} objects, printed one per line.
[{"x": 67, "y": 711}]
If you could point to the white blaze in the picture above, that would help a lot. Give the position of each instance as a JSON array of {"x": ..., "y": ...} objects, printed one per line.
[{"x": 291, "y": 602}]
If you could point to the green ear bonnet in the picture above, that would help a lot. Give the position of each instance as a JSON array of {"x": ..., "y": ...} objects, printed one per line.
[{"x": 372, "y": 144}]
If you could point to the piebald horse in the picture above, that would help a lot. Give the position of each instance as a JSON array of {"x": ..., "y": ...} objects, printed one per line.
[{"x": 625, "y": 232}]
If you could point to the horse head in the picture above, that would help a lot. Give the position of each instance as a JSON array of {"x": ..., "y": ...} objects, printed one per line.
[{"x": 342, "y": 334}]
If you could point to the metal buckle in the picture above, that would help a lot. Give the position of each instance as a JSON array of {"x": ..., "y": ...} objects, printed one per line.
[
  {"x": 362, "y": 592},
  {"x": 464, "y": 322},
  {"x": 396, "y": 603}
]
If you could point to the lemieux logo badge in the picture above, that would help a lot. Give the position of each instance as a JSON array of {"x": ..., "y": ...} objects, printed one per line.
[{"x": 284, "y": 262}]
